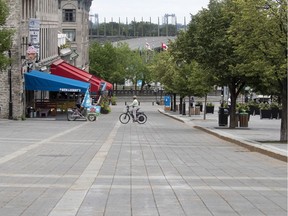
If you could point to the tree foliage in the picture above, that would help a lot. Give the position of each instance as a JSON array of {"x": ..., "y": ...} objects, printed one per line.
[
  {"x": 259, "y": 35},
  {"x": 117, "y": 63},
  {"x": 5, "y": 35},
  {"x": 234, "y": 43}
]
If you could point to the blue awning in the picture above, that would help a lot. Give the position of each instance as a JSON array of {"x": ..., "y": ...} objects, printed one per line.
[{"x": 36, "y": 80}]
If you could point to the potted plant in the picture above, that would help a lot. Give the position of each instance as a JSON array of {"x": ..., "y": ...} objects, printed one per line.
[
  {"x": 200, "y": 104},
  {"x": 209, "y": 108},
  {"x": 104, "y": 103},
  {"x": 242, "y": 108},
  {"x": 243, "y": 113},
  {"x": 253, "y": 108},
  {"x": 113, "y": 100},
  {"x": 274, "y": 110},
  {"x": 265, "y": 111},
  {"x": 280, "y": 111}
]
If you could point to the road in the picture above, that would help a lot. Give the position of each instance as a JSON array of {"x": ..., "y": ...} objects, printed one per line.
[{"x": 164, "y": 167}]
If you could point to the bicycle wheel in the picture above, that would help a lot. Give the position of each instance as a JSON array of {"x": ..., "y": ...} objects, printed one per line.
[
  {"x": 142, "y": 118},
  {"x": 91, "y": 117},
  {"x": 124, "y": 118},
  {"x": 71, "y": 116}
]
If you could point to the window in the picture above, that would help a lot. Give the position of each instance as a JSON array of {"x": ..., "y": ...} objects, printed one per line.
[
  {"x": 70, "y": 33},
  {"x": 69, "y": 15}
]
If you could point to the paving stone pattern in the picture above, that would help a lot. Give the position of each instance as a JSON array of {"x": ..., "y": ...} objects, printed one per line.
[{"x": 163, "y": 167}]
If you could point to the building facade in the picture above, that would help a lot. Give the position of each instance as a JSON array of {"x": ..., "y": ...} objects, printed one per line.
[
  {"x": 37, "y": 24},
  {"x": 74, "y": 16}
]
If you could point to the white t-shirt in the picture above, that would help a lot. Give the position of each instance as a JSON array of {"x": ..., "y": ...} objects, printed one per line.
[{"x": 135, "y": 103}]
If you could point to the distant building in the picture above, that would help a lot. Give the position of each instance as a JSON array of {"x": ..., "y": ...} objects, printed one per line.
[
  {"x": 74, "y": 16},
  {"x": 39, "y": 40}
]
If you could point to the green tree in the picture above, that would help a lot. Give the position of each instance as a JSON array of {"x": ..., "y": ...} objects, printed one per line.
[
  {"x": 5, "y": 35},
  {"x": 118, "y": 76},
  {"x": 207, "y": 42},
  {"x": 198, "y": 80},
  {"x": 102, "y": 60},
  {"x": 163, "y": 70},
  {"x": 259, "y": 36},
  {"x": 117, "y": 63},
  {"x": 136, "y": 68}
]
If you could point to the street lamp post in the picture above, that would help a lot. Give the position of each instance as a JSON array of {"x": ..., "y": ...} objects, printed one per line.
[{"x": 10, "y": 87}]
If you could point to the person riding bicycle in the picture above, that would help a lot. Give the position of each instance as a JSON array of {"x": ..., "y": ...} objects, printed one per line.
[
  {"x": 134, "y": 105},
  {"x": 79, "y": 101}
]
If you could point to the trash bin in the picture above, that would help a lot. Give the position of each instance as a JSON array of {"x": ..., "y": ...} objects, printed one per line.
[
  {"x": 197, "y": 110},
  {"x": 243, "y": 119},
  {"x": 183, "y": 108},
  {"x": 223, "y": 114},
  {"x": 30, "y": 112}
]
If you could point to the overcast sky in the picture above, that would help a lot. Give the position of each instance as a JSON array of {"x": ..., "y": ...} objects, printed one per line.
[{"x": 115, "y": 9}]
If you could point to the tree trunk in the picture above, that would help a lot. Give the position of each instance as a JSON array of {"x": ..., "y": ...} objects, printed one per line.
[
  {"x": 175, "y": 105},
  {"x": 180, "y": 105},
  {"x": 233, "y": 116},
  {"x": 283, "y": 132}
]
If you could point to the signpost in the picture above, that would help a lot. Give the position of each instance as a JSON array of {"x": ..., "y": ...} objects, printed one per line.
[{"x": 167, "y": 103}]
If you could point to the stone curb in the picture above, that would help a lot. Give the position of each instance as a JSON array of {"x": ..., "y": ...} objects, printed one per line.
[{"x": 254, "y": 147}]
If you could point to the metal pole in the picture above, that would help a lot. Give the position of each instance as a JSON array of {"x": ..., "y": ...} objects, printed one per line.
[
  {"x": 205, "y": 103},
  {"x": 10, "y": 87}
]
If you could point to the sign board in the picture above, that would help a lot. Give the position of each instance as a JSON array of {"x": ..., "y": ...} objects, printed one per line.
[
  {"x": 139, "y": 83},
  {"x": 34, "y": 33},
  {"x": 167, "y": 101},
  {"x": 103, "y": 86}
]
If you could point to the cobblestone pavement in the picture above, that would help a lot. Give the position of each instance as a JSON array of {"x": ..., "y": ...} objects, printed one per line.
[
  {"x": 261, "y": 135},
  {"x": 163, "y": 167}
]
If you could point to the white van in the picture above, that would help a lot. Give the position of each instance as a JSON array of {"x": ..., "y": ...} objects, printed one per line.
[{"x": 262, "y": 99}]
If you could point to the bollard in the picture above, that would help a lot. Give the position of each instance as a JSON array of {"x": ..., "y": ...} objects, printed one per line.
[
  {"x": 152, "y": 103},
  {"x": 184, "y": 109},
  {"x": 125, "y": 103}
]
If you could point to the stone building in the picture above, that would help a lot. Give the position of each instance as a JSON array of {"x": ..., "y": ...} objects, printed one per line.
[
  {"x": 75, "y": 18},
  {"x": 37, "y": 24}
]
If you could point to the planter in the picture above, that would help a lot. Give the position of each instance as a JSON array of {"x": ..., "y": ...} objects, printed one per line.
[
  {"x": 104, "y": 111},
  {"x": 254, "y": 110},
  {"x": 210, "y": 109},
  {"x": 265, "y": 114},
  {"x": 257, "y": 111},
  {"x": 274, "y": 113},
  {"x": 201, "y": 107},
  {"x": 243, "y": 119}
]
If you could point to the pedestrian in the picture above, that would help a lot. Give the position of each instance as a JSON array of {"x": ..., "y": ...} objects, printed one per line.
[
  {"x": 79, "y": 101},
  {"x": 191, "y": 101}
]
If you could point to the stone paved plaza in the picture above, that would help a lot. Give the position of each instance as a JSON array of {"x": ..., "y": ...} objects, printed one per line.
[{"x": 164, "y": 167}]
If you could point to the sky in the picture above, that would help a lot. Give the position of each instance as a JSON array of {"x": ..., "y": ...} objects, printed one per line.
[{"x": 115, "y": 9}]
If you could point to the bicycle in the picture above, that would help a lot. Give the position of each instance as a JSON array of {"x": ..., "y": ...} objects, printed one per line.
[
  {"x": 85, "y": 114},
  {"x": 125, "y": 117}
]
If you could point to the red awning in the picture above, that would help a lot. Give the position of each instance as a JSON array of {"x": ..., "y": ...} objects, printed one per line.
[{"x": 64, "y": 69}]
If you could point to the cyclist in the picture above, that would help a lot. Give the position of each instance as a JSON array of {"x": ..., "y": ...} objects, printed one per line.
[
  {"x": 134, "y": 105},
  {"x": 79, "y": 101}
]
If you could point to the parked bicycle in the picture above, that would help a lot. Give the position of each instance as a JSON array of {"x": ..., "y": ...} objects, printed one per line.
[
  {"x": 85, "y": 114},
  {"x": 125, "y": 117}
]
